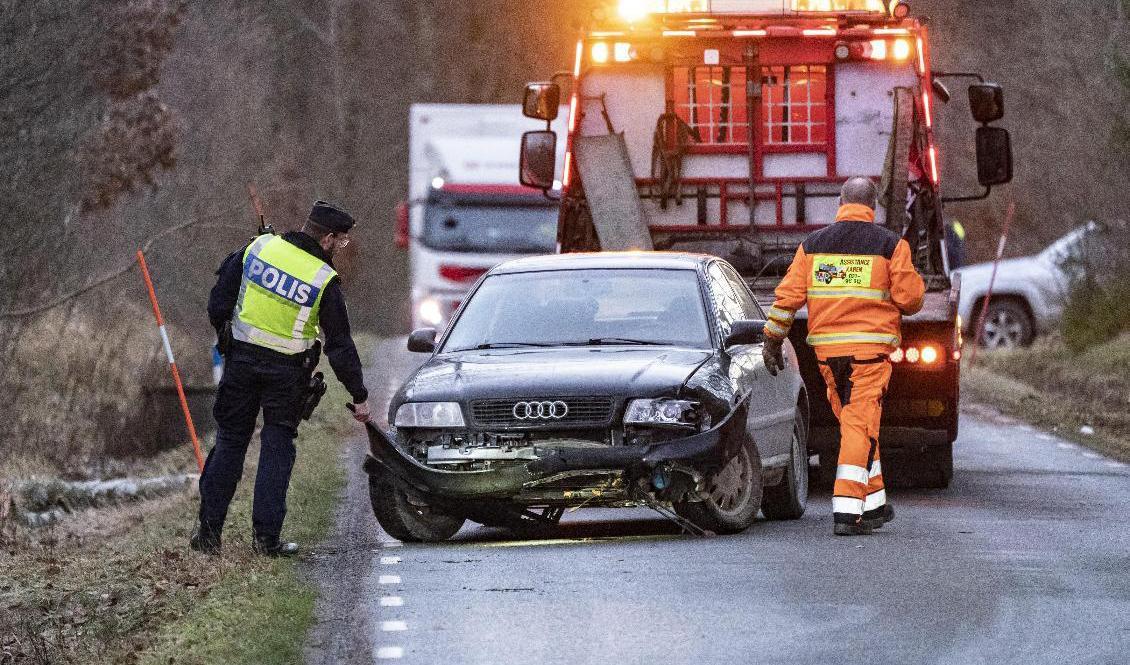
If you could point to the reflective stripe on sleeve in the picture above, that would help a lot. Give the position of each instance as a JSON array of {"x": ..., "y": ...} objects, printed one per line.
[
  {"x": 875, "y": 500},
  {"x": 876, "y": 469},
  {"x": 847, "y": 506},
  {"x": 853, "y": 338},
  {"x": 856, "y": 474},
  {"x": 782, "y": 315},
  {"x": 776, "y": 330}
]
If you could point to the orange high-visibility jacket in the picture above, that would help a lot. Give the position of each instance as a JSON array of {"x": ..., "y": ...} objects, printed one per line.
[{"x": 857, "y": 279}]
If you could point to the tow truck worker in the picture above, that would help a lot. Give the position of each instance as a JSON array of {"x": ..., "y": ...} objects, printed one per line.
[
  {"x": 857, "y": 279},
  {"x": 277, "y": 294}
]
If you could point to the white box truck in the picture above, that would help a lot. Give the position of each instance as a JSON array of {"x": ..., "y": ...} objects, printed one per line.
[{"x": 465, "y": 211}]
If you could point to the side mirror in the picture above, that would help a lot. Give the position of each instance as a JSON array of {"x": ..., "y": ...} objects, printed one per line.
[
  {"x": 986, "y": 102},
  {"x": 539, "y": 159},
  {"x": 994, "y": 156},
  {"x": 422, "y": 340},
  {"x": 402, "y": 232},
  {"x": 745, "y": 332},
  {"x": 542, "y": 101}
]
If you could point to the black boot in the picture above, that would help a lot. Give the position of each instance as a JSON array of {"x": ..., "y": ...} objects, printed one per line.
[
  {"x": 850, "y": 525},
  {"x": 273, "y": 547},
  {"x": 880, "y": 516},
  {"x": 205, "y": 541}
]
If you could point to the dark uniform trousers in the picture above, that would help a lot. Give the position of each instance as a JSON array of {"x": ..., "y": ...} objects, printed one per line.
[{"x": 252, "y": 382}]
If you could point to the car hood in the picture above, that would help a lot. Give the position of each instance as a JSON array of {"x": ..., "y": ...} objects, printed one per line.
[
  {"x": 539, "y": 373},
  {"x": 1019, "y": 269}
]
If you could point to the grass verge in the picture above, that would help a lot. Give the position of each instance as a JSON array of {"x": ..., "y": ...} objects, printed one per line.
[
  {"x": 141, "y": 596},
  {"x": 1064, "y": 392}
]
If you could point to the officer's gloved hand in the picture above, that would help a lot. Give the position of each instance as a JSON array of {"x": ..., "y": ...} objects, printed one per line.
[
  {"x": 362, "y": 413},
  {"x": 773, "y": 355}
]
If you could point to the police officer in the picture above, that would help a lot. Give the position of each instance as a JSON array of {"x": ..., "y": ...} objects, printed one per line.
[
  {"x": 277, "y": 295},
  {"x": 858, "y": 281}
]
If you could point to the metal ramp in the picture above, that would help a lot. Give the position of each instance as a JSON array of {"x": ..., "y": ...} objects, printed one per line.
[{"x": 610, "y": 187}]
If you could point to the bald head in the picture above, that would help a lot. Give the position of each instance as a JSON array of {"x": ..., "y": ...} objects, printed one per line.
[{"x": 861, "y": 191}]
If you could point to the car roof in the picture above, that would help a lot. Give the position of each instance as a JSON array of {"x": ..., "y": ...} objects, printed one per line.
[{"x": 606, "y": 261}]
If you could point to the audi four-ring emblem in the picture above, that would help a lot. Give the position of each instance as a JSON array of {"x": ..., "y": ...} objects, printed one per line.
[{"x": 541, "y": 410}]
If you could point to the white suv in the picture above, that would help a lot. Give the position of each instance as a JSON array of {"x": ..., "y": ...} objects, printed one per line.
[{"x": 1028, "y": 294}]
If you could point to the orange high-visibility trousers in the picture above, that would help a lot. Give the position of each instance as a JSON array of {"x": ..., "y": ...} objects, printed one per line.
[{"x": 855, "y": 389}]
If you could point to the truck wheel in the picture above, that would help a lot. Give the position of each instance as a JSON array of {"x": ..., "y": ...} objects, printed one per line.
[
  {"x": 1007, "y": 326},
  {"x": 407, "y": 519},
  {"x": 788, "y": 499},
  {"x": 934, "y": 469},
  {"x": 735, "y": 495}
]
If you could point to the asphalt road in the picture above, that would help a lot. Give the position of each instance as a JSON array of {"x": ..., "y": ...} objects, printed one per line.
[{"x": 1025, "y": 559}]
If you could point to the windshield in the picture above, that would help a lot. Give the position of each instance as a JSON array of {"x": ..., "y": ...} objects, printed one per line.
[
  {"x": 584, "y": 307},
  {"x": 496, "y": 229}
]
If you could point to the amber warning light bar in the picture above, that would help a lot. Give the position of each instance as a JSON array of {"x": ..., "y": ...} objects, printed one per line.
[{"x": 637, "y": 10}]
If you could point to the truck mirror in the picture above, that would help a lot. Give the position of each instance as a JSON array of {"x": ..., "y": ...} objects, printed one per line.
[
  {"x": 986, "y": 101},
  {"x": 994, "y": 156},
  {"x": 542, "y": 101},
  {"x": 539, "y": 159},
  {"x": 422, "y": 340}
]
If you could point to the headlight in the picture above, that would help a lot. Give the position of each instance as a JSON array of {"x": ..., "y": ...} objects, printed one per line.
[
  {"x": 679, "y": 412},
  {"x": 429, "y": 415},
  {"x": 430, "y": 311}
]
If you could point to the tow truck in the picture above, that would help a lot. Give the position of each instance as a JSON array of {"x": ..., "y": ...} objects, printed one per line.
[
  {"x": 728, "y": 127},
  {"x": 465, "y": 212}
]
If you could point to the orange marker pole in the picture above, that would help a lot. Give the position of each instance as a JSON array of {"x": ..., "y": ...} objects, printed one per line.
[
  {"x": 172, "y": 360},
  {"x": 992, "y": 282}
]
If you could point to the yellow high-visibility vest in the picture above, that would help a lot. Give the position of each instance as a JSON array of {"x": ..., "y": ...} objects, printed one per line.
[{"x": 280, "y": 296}]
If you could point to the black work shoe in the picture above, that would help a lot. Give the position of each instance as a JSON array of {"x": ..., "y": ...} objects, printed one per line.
[
  {"x": 860, "y": 528},
  {"x": 205, "y": 543},
  {"x": 880, "y": 516},
  {"x": 274, "y": 548}
]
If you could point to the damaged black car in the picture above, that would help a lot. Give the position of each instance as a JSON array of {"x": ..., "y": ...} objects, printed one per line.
[{"x": 594, "y": 380}]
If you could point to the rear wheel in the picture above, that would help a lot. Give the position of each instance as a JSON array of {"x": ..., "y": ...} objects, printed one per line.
[
  {"x": 735, "y": 495},
  {"x": 788, "y": 499},
  {"x": 408, "y": 519}
]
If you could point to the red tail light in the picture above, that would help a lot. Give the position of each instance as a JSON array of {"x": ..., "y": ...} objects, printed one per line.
[
  {"x": 402, "y": 232},
  {"x": 461, "y": 273}
]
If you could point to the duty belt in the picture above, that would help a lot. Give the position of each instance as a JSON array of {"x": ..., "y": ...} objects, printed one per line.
[{"x": 262, "y": 353}]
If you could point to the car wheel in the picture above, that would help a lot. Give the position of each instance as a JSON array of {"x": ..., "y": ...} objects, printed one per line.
[
  {"x": 734, "y": 495},
  {"x": 406, "y": 518},
  {"x": 1007, "y": 326},
  {"x": 787, "y": 499}
]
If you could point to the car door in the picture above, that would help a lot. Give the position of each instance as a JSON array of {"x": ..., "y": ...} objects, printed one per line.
[{"x": 768, "y": 422}]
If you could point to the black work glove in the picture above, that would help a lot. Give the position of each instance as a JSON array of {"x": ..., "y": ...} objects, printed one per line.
[{"x": 773, "y": 355}]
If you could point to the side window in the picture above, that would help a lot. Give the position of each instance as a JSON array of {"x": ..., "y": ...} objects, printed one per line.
[
  {"x": 731, "y": 301},
  {"x": 750, "y": 307}
]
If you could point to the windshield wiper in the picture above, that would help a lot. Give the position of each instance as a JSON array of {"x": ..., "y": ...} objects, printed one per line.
[
  {"x": 507, "y": 345},
  {"x": 599, "y": 341}
]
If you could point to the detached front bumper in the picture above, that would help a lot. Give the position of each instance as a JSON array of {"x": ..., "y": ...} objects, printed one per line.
[{"x": 704, "y": 452}]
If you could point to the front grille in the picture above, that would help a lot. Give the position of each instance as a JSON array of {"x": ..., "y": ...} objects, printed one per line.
[{"x": 582, "y": 412}]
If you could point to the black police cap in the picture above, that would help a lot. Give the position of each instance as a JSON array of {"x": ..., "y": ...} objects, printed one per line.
[{"x": 330, "y": 217}]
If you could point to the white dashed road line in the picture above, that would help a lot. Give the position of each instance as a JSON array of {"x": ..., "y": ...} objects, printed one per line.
[
  {"x": 390, "y": 653},
  {"x": 392, "y": 601},
  {"x": 1092, "y": 456},
  {"x": 390, "y": 560},
  {"x": 388, "y": 579},
  {"x": 1066, "y": 446},
  {"x": 394, "y": 626}
]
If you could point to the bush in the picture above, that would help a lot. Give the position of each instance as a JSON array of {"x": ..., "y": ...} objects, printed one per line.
[{"x": 1097, "y": 308}]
